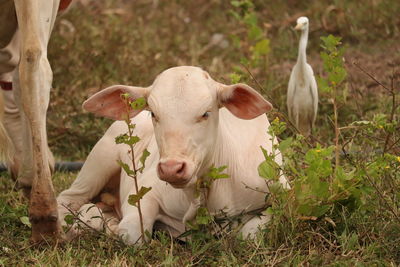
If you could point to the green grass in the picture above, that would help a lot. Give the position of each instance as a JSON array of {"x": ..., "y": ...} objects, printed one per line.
[
  {"x": 129, "y": 42},
  {"x": 311, "y": 243}
]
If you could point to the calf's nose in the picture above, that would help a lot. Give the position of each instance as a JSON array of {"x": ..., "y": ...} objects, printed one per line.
[{"x": 172, "y": 171}]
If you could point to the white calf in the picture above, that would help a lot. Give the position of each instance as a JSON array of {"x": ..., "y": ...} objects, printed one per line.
[{"x": 194, "y": 122}]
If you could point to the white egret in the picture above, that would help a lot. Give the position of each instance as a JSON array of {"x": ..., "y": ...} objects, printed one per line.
[{"x": 302, "y": 94}]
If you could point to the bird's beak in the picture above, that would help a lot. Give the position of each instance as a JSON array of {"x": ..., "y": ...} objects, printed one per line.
[{"x": 298, "y": 27}]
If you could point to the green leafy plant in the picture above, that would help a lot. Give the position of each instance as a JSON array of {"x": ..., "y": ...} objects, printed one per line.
[
  {"x": 352, "y": 174},
  {"x": 213, "y": 174},
  {"x": 332, "y": 57},
  {"x": 130, "y": 139},
  {"x": 202, "y": 224}
]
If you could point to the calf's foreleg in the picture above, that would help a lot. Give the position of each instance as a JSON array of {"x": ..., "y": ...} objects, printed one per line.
[
  {"x": 100, "y": 167},
  {"x": 130, "y": 225}
]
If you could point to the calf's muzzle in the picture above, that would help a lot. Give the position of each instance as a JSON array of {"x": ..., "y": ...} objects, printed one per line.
[{"x": 173, "y": 172}]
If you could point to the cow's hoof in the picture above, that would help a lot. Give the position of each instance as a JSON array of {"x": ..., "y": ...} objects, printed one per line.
[
  {"x": 46, "y": 229},
  {"x": 13, "y": 170},
  {"x": 26, "y": 191}
]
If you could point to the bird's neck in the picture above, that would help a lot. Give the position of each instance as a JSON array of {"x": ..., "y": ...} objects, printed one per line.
[{"x": 301, "y": 59}]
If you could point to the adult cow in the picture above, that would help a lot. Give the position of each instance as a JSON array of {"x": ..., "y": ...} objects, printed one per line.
[
  {"x": 25, "y": 79},
  {"x": 195, "y": 123}
]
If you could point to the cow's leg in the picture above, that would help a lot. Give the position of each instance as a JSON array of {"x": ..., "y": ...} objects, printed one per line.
[
  {"x": 13, "y": 119},
  {"x": 22, "y": 166},
  {"x": 35, "y": 22},
  {"x": 17, "y": 128},
  {"x": 9, "y": 57}
]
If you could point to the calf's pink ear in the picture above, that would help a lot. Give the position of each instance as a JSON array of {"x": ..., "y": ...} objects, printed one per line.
[
  {"x": 243, "y": 101},
  {"x": 110, "y": 104}
]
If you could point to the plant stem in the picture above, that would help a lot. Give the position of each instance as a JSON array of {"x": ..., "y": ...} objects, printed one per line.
[
  {"x": 337, "y": 131},
  {"x": 134, "y": 176},
  {"x": 392, "y": 112}
]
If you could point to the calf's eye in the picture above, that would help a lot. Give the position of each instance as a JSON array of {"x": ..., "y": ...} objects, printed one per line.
[
  {"x": 206, "y": 115},
  {"x": 153, "y": 116}
]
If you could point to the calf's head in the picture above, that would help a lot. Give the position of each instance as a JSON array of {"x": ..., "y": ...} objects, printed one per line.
[{"x": 184, "y": 103}]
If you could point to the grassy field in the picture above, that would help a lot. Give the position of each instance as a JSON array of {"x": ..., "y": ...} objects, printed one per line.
[{"x": 100, "y": 43}]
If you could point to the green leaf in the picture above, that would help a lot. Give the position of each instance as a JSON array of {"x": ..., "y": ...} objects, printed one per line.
[
  {"x": 285, "y": 144},
  {"x": 262, "y": 47},
  {"x": 235, "y": 78},
  {"x": 337, "y": 75},
  {"x": 318, "y": 211},
  {"x": 323, "y": 85},
  {"x": 265, "y": 152},
  {"x": 321, "y": 191},
  {"x": 131, "y": 140},
  {"x": 250, "y": 19},
  {"x": 139, "y": 103},
  {"x": 222, "y": 168},
  {"x": 325, "y": 168},
  {"x": 125, "y": 96},
  {"x": 143, "y": 158},
  {"x": 343, "y": 176},
  {"x": 302, "y": 190},
  {"x": 203, "y": 217},
  {"x": 215, "y": 173},
  {"x": 330, "y": 42},
  {"x": 135, "y": 198},
  {"x": 361, "y": 123},
  {"x": 120, "y": 139},
  {"x": 236, "y": 3},
  {"x": 222, "y": 176},
  {"x": 270, "y": 211},
  {"x": 126, "y": 168},
  {"x": 276, "y": 188},
  {"x": 126, "y": 139},
  {"x": 277, "y": 127},
  {"x": 304, "y": 209},
  {"x": 255, "y": 33},
  {"x": 69, "y": 219},
  {"x": 25, "y": 221},
  {"x": 268, "y": 170}
]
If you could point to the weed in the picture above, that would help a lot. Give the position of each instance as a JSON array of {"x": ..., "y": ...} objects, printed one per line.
[{"x": 130, "y": 140}]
